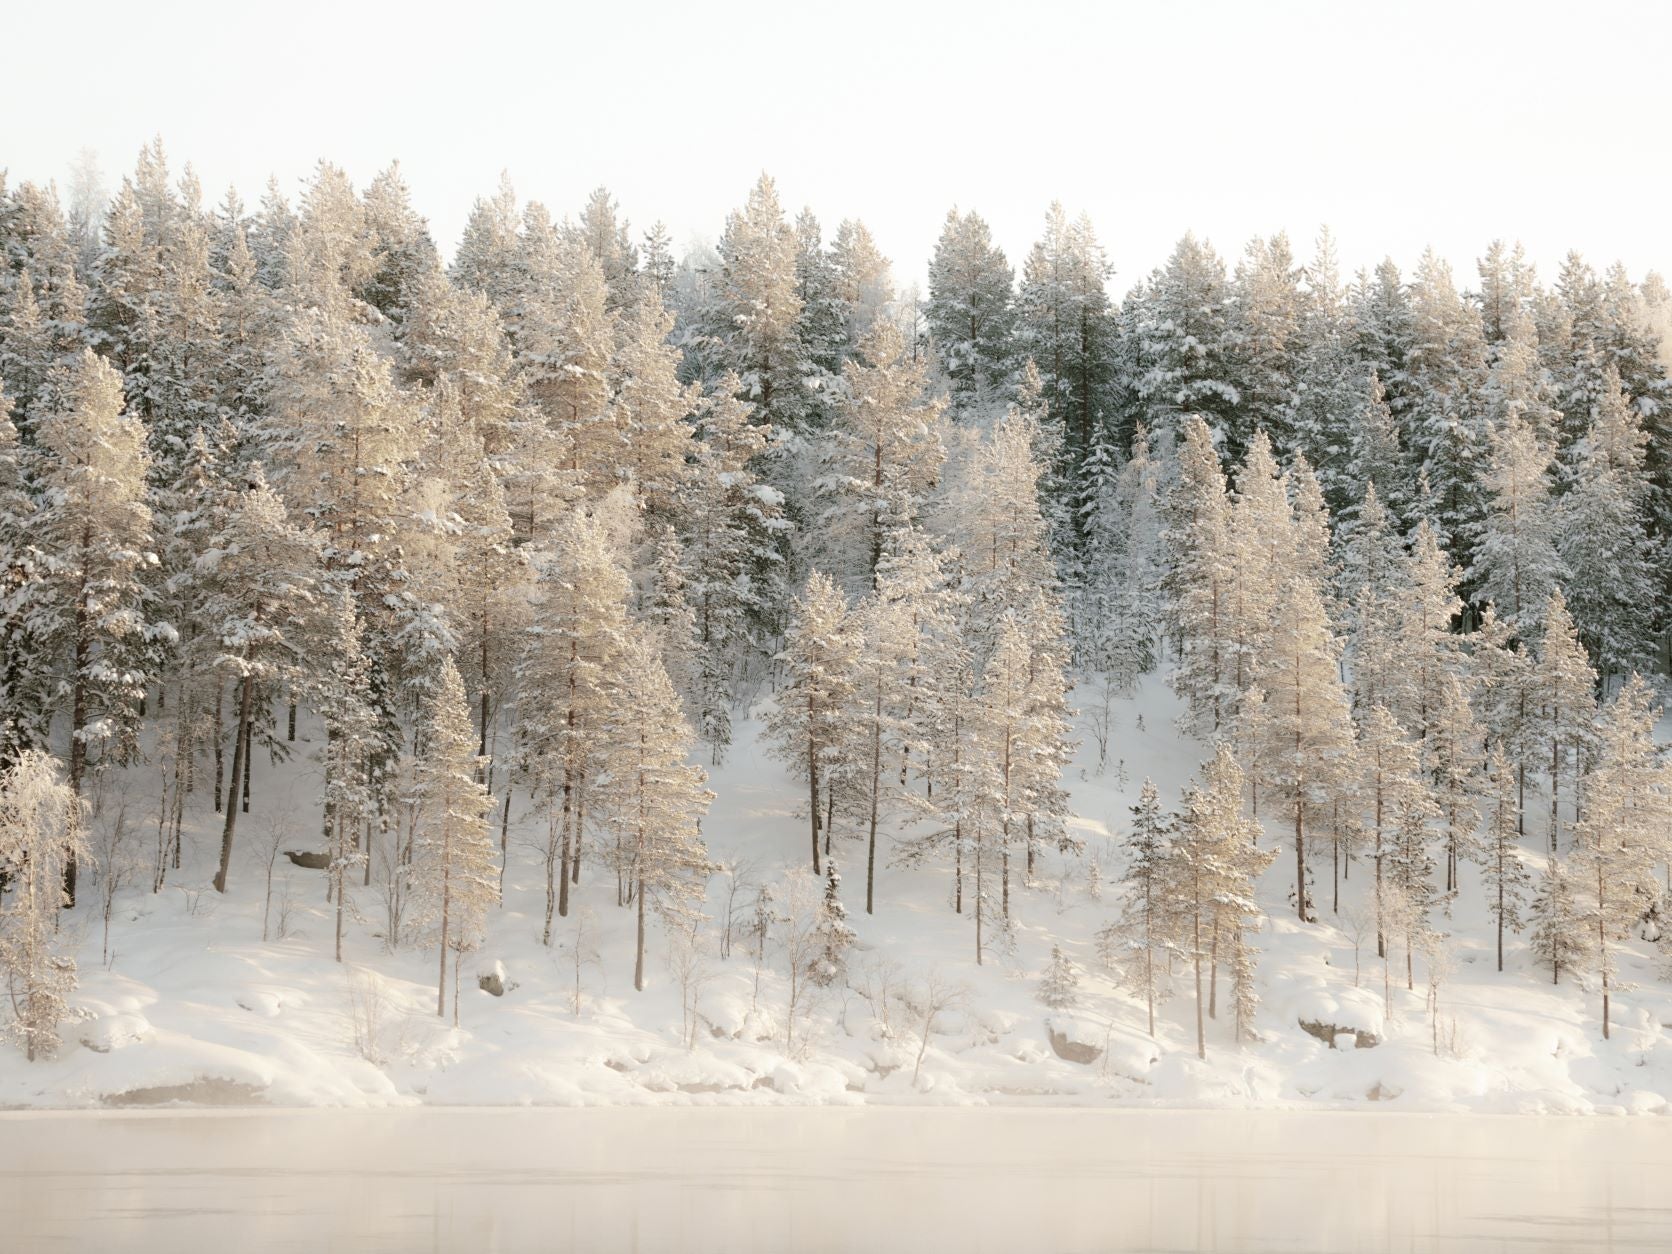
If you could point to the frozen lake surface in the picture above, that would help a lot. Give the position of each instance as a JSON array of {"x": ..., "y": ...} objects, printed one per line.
[{"x": 773, "y": 1180}]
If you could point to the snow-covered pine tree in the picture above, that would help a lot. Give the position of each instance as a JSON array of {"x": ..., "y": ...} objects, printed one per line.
[
  {"x": 1455, "y": 758},
  {"x": 92, "y": 540},
  {"x": 1516, "y": 562},
  {"x": 759, "y": 309},
  {"x": 972, "y": 315},
  {"x": 1507, "y": 700},
  {"x": 1261, "y": 556},
  {"x": 1502, "y": 871},
  {"x": 1610, "y": 558},
  {"x": 1565, "y": 686},
  {"x": 734, "y": 543},
  {"x": 1197, "y": 583},
  {"x": 1064, "y": 326},
  {"x": 648, "y": 791},
  {"x": 1562, "y": 933},
  {"x": 1427, "y": 650},
  {"x": 1141, "y": 932},
  {"x": 808, "y": 721},
  {"x": 1309, "y": 729},
  {"x": 649, "y": 408},
  {"x": 834, "y": 936},
  {"x": 1392, "y": 784},
  {"x": 1624, "y": 815},
  {"x": 884, "y": 443},
  {"x": 1212, "y": 863},
  {"x": 267, "y": 618},
  {"x": 1373, "y": 583},
  {"x": 1187, "y": 345},
  {"x": 42, "y": 834},
  {"x": 1059, "y": 985},
  {"x": 455, "y": 880},
  {"x": 563, "y": 681}
]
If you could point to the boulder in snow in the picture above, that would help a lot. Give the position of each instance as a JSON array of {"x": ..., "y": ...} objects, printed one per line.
[
  {"x": 1337, "y": 1037},
  {"x": 1073, "y": 1041},
  {"x": 492, "y": 979}
]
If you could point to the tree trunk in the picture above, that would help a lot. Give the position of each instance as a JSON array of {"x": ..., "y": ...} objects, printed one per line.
[
  {"x": 876, "y": 788},
  {"x": 638, "y": 961},
  {"x": 239, "y": 739},
  {"x": 813, "y": 791}
]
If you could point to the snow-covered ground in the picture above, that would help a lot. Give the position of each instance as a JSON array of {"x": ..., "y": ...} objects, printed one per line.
[{"x": 193, "y": 1005}]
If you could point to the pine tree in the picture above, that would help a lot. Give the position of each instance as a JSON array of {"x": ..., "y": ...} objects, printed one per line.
[
  {"x": 1187, "y": 346},
  {"x": 1198, "y": 544},
  {"x": 734, "y": 547},
  {"x": 1516, "y": 562},
  {"x": 834, "y": 936},
  {"x": 1611, "y": 559},
  {"x": 454, "y": 879},
  {"x": 1455, "y": 760},
  {"x": 972, "y": 314},
  {"x": 42, "y": 835},
  {"x": 1059, "y": 986},
  {"x": 1310, "y": 733},
  {"x": 1566, "y": 692},
  {"x": 1064, "y": 325},
  {"x": 1626, "y": 810},
  {"x": 1212, "y": 864},
  {"x": 267, "y": 616},
  {"x": 1562, "y": 934},
  {"x": 759, "y": 307},
  {"x": 564, "y": 687},
  {"x": 885, "y": 443},
  {"x": 1392, "y": 786},
  {"x": 1373, "y": 579},
  {"x": 808, "y": 722},
  {"x": 92, "y": 539},
  {"x": 650, "y": 794},
  {"x": 1142, "y": 930},
  {"x": 1504, "y": 874}
]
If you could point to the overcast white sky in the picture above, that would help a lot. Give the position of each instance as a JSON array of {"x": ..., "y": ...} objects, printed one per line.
[{"x": 1399, "y": 125}]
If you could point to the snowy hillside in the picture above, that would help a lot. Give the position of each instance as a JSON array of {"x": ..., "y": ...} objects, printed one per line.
[{"x": 192, "y": 1004}]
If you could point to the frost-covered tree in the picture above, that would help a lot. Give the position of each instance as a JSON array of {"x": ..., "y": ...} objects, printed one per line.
[
  {"x": 579, "y": 619},
  {"x": 1059, "y": 986},
  {"x": 1502, "y": 871},
  {"x": 834, "y": 936},
  {"x": 649, "y": 794},
  {"x": 42, "y": 834},
  {"x": 1197, "y": 584},
  {"x": 1309, "y": 730},
  {"x": 808, "y": 722},
  {"x": 1562, "y": 933},
  {"x": 92, "y": 541},
  {"x": 1516, "y": 558},
  {"x": 1064, "y": 326},
  {"x": 1565, "y": 688},
  {"x": 972, "y": 314},
  {"x": 1212, "y": 863},
  {"x": 1610, "y": 557},
  {"x": 1186, "y": 345},
  {"x": 884, "y": 446},
  {"x": 1625, "y": 812},
  {"x": 454, "y": 878},
  {"x": 268, "y": 619},
  {"x": 1141, "y": 933},
  {"x": 759, "y": 308},
  {"x": 1373, "y": 580}
]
